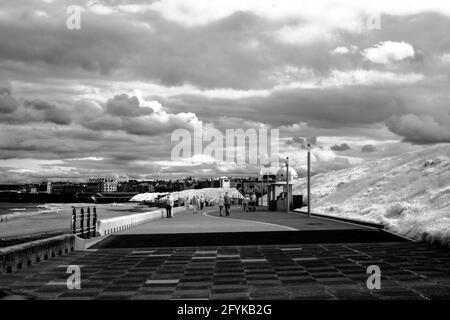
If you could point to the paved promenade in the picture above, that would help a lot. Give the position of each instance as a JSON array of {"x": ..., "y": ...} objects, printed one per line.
[{"x": 270, "y": 271}]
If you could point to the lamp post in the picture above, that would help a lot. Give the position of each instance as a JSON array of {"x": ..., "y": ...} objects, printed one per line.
[
  {"x": 287, "y": 184},
  {"x": 309, "y": 180}
]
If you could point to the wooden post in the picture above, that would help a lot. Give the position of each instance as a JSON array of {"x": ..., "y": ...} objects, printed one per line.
[
  {"x": 287, "y": 184},
  {"x": 74, "y": 220},
  {"x": 82, "y": 221}
]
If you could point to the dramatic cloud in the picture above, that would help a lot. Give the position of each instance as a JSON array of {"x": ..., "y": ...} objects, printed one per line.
[
  {"x": 123, "y": 105},
  {"x": 45, "y": 111},
  {"x": 137, "y": 70},
  {"x": 421, "y": 129}
]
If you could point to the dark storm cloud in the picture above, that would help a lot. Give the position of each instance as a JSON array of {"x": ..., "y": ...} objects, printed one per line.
[
  {"x": 7, "y": 103},
  {"x": 351, "y": 109},
  {"x": 120, "y": 149},
  {"x": 324, "y": 108},
  {"x": 50, "y": 112},
  {"x": 340, "y": 147},
  {"x": 123, "y": 105},
  {"x": 13, "y": 111}
]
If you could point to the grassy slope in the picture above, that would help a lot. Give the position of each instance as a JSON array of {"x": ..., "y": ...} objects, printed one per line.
[{"x": 410, "y": 193}]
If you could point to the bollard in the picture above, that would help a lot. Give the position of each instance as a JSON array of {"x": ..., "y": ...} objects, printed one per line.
[
  {"x": 94, "y": 222},
  {"x": 88, "y": 223},
  {"x": 82, "y": 222},
  {"x": 74, "y": 221}
]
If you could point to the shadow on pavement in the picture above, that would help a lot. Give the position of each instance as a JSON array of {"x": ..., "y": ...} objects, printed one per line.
[{"x": 246, "y": 238}]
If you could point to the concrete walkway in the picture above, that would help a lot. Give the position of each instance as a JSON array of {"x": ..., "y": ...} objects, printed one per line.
[
  {"x": 202, "y": 222},
  {"x": 131, "y": 265},
  {"x": 208, "y": 220}
]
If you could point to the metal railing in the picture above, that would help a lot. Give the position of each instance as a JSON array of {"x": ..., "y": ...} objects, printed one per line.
[{"x": 84, "y": 224}]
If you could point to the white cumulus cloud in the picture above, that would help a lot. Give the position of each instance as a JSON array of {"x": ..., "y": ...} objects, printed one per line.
[{"x": 389, "y": 51}]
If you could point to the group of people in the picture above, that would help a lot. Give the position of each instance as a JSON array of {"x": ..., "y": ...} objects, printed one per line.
[
  {"x": 225, "y": 203},
  {"x": 198, "y": 203},
  {"x": 249, "y": 202}
]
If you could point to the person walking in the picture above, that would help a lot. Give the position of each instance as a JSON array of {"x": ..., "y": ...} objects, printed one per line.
[
  {"x": 245, "y": 202},
  {"x": 169, "y": 205},
  {"x": 195, "y": 203},
  {"x": 186, "y": 204},
  {"x": 221, "y": 202},
  {"x": 227, "y": 203},
  {"x": 202, "y": 202},
  {"x": 253, "y": 202}
]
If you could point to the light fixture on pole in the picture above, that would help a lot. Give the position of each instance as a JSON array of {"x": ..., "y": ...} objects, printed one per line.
[{"x": 309, "y": 180}]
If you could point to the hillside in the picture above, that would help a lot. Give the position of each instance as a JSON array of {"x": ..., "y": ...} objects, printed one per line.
[{"x": 410, "y": 193}]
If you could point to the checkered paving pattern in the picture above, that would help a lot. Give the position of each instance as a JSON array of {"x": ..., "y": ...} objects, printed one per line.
[{"x": 313, "y": 271}]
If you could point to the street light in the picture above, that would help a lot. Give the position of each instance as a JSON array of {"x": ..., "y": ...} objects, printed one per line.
[
  {"x": 287, "y": 184},
  {"x": 309, "y": 180}
]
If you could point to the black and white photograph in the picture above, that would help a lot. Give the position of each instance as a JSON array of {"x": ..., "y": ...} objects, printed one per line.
[{"x": 225, "y": 156}]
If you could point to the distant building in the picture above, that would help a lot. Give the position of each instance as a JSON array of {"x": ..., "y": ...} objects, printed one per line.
[
  {"x": 64, "y": 187},
  {"x": 224, "y": 182},
  {"x": 12, "y": 187},
  {"x": 135, "y": 186},
  {"x": 101, "y": 185}
]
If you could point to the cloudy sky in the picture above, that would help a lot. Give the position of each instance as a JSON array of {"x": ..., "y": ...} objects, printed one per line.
[{"x": 103, "y": 100}]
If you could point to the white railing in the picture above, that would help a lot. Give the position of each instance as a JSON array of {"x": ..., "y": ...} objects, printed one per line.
[{"x": 108, "y": 226}]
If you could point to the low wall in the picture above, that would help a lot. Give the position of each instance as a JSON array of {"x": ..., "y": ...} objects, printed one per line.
[
  {"x": 22, "y": 255},
  {"x": 19, "y": 256},
  {"x": 108, "y": 226}
]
